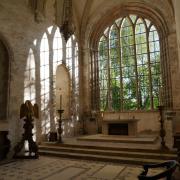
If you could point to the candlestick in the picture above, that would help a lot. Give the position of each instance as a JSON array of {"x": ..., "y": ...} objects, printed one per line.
[
  {"x": 60, "y": 130},
  {"x": 61, "y": 101}
]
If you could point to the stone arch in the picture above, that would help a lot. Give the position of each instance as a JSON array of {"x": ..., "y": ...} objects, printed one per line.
[
  {"x": 122, "y": 10},
  {"x": 157, "y": 17}
]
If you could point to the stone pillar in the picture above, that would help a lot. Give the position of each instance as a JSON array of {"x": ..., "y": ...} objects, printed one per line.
[{"x": 177, "y": 18}]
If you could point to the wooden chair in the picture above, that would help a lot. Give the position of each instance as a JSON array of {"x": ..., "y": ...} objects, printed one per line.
[{"x": 167, "y": 173}]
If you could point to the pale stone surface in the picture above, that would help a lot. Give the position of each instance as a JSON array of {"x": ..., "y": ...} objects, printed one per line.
[
  {"x": 68, "y": 173},
  {"x": 109, "y": 171},
  {"x": 50, "y": 168}
]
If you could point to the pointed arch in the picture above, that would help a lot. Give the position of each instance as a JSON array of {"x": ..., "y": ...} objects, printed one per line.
[
  {"x": 57, "y": 50},
  {"x": 126, "y": 81},
  {"x": 44, "y": 81}
]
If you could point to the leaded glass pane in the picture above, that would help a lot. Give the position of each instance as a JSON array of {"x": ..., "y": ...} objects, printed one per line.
[
  {"x": 155, "y": 64},
  {"x": 129, "y": 65},
  {"x": 133, "y": 18},
  {"x": 142, "y": 65}
]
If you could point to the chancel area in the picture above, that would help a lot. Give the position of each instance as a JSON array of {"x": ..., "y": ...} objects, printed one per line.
[{"x": 89, "y": 80}]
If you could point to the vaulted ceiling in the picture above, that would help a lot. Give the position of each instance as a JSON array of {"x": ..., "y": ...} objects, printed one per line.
[
  {"x": 84, "y": 9},
  {"x": 87, "y": 13}
]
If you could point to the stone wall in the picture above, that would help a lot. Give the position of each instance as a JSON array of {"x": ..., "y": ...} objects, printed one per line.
[
  {"x": 22, "y": 29},
  {"x": 19, "y": 30}
]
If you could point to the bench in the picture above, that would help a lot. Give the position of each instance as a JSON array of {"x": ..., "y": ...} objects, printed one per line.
[{"x": 167, "y": 173}]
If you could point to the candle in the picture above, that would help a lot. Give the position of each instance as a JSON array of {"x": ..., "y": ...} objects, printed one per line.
[
  {"x": 60, "y": 101},
  {"x": 102, "y": 115}
]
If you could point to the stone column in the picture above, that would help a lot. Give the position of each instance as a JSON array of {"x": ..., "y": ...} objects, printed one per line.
[{"x": 177, "y": 19}]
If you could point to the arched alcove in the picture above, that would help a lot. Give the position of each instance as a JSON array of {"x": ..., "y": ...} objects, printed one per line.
[{"x": 63, "y": 90}]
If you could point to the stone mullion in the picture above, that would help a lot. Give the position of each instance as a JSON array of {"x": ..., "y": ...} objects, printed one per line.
[
  {"x": 120, "y": 68},
  {"x": 92, "y": 79},
  {"x": 63, "y": 50},
  {"x": 109, "y": 76},
  {"x": 168, "y": 78},
  {"x": 38, "y": 89},
  {"x": 149, "y": 69},
  {"x": 136, "y": 70},
  {"x": 163, "y": 71},
  {"x": 97, "y": 82},
  {"x": 165, "y": 74},
  {"x": 73, "y": 77},
  {"x": 51, "y": 87}
]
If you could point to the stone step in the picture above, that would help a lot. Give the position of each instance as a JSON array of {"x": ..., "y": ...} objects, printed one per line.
[
  {"x": 118, "y": 139},
  {"x": 114, "y": 159},
  {"x": 105, "y": 152},
  {"x": 107, "y": 148}
]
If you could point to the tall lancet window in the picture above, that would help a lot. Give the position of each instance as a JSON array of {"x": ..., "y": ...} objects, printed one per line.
[
  {"x": 69, "y": 54},
  {"x": 40, "y": 87},
  {"x": 73, "y": 66},
  {"x": 129, "y": 65},
  {"x": 44, "y": 78},
  {"x": 29, "y": 82},
  {"x": 57, "y": 50},
  {"x": 57, "y": 60}
]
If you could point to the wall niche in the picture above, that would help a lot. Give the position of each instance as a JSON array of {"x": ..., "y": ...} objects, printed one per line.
[{"x": 4, "y": 73}]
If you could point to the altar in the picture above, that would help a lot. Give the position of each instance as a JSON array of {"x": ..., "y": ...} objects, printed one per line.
[
  {"x": 115, "y": 124},
  {"x": 120, "y": 127}
]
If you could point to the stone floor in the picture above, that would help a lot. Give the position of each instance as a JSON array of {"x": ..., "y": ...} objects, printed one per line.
[{"x": 52, "y": 168}]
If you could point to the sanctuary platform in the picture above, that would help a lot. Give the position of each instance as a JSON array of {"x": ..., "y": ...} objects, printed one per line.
[
  {"x": 152, "y": 139},
  {"x": 128, "y": 150}
]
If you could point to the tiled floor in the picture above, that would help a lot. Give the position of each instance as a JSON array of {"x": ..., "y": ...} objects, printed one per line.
[{"x": 51, "y": 168}]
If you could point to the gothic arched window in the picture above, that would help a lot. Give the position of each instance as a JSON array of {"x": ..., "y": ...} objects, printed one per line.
[
  {"x": 40, "y": 75},
  {"x": 73, "y": 66},
  {"x": 129, "y": 65},
  {"x": 44, "y": 82}
]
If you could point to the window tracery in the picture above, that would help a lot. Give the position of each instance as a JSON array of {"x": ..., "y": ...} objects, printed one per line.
[
  {"x": 52, "y": 52},
  {"x": 129, "y": 65}
]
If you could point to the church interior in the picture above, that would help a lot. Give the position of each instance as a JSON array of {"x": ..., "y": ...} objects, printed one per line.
[{"x": 90, "y": 89}]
